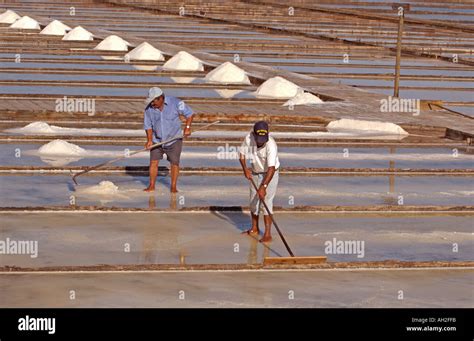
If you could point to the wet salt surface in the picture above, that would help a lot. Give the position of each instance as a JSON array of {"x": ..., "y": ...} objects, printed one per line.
[
  {"x": 209, "y": 238},
  {"x": 314, "y": 289},
  {"x": 192, "y": 156},
  {"x": 204, "y": 190}
]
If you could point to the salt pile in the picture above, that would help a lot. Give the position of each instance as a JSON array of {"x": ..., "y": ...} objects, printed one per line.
[
  {"x": 9, "y": 17},
  {"x": 184, "y": 61},
  {"x": 228, "y": 73},
  {"x": 26, "y": 23},
  {"x": 303, "y": 98},
  {"x": 37, "y": 128},
  {"x": 277, "y": 87},
  {"x": 346, "y": 124},
  {"x": 113, "y": 43},
  {"x": 55, "y": 28},
  {"x": 60, "y": 147},
  {"x": 104, "y": 188},
  {"x": 145, "y": 51},
  {"x": 78, "y": 33},
  {"x": 42, "y": 128}
]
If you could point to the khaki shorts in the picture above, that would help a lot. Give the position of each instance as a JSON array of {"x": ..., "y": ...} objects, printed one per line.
[
  {"x": 255, "y": 205},
  {"x": 173, "y": 152}
]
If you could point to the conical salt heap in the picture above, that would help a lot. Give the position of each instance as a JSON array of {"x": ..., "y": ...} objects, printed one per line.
[
  {"x": 183, "y": 61},
  {"x": 78, "y": 34},
  {"x": 9, "y": 17},
  {"x": 55, "y": 28},
  {"x": 113, "y": 43},
  {"x": 228, "y": 73},
  {"x": 145, "y": 51},
  {"x": 26, "y": 23},
  {"x": 277, "y": 87}
]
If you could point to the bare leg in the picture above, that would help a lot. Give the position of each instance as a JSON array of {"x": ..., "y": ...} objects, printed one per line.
[
  {"x": 153, "y": 173},
  {"x": 254, "y": 229},
  {"x": 267, "y": 237},
  {"x": 174, "y": 178}
]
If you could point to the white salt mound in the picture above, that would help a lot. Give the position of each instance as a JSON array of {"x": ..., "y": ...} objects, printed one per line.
[
  {"x": 55, "y": 28},
  {"x": 26, "y": 23},
  {"x": 228, "y": 73},
  {"x": 60, "y": 147},
  {"x": 113, "y": 43},
  {"x": 183, "y": 61},
  {"x": 277, "y": 87},
  {"x": 78, "y": 33},
  {"x": 39, "y": 128},
  {"x": 145, "y": 51},
  {"x": 104, "y": 188},
  {"x": 9, "y": 17},
  {"x": 303, "y": 98},
  {"x": 346, "y": 124}
]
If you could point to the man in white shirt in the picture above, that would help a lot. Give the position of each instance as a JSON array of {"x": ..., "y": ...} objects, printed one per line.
[{"x": 262, "y": 151}]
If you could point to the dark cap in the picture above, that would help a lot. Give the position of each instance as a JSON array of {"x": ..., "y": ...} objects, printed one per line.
[{"x": 260, "y": 132}]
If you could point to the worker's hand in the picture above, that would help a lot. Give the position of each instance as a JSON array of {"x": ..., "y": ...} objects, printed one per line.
[
  {"x": 187, "y": 132},
  {"x": 262, "y": 192},
  {"x": 148, "y": 144},
  {"x": 248, "y": 173}
]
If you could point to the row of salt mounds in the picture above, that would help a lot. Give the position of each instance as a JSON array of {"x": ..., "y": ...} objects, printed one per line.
[
  {"x": 9, "y": 17},
  {"x": 228, "y": 73},
  {"x": 346, "y": 124},
  {"x": 183, "y": 61},
  {"x": 145, "y": 51},
  {"x": 277, "y": 87},
  {"x": 78, "y": 33},
  {"x": 26, "y": 23},
  {"x": 60, "y": 147},
  {"x": 55, "y": 28},
  {"x": 113, "y": 43},
  {"x": 303, "y": 98}
]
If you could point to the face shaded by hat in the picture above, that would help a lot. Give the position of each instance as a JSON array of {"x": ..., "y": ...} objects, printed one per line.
[
  {"x": 260, "y": 132},
  {"x": 152, "y": 94}
]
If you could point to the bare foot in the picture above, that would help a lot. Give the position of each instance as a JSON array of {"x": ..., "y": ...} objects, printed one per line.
[
  {"x": 252, "y": 232},
  {"x": 266, "y": 239},
  {"x": 174, "y": 190},
  {"x": 150, "y": 189}
]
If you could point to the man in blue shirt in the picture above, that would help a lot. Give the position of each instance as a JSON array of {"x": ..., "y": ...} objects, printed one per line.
[{"x": 161, "y": 122}]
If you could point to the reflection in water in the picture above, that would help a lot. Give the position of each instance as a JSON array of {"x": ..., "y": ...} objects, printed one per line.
[
  {"x": 145, "y": 67},
  {"x": 59, "y": 161}
]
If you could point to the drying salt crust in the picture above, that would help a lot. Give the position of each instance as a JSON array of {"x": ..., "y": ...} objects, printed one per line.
[
  {"x": 60, "y": 147},
  {"x": 303, "y": 98},
  {"x": 277, "y": 87},
  {"x": 145, "y": 51},
  {"x": 346, "y": 124},
  {"x": 78, "y": 33},
  {"x": 26, "y": 23},
  {"x": 113, "y": 43},
  {"x": 183, "y": 61},
  {"x": 228, "y": 73},
  {"x": 9, "y": 17},
  {"x": 55, "y": 28}
]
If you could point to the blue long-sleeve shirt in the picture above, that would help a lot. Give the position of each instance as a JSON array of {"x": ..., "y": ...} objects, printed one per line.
[{"x": 166, "y": 124}]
